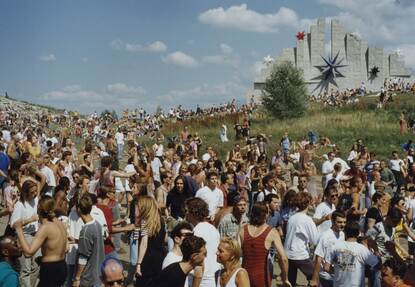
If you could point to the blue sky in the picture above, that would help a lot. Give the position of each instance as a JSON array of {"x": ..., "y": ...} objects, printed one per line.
[{"x": 91, "y": 55}]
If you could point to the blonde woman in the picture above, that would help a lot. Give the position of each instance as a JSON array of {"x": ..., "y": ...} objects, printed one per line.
[
  {"x": 229, "y": 254},
  {"x": 151, "y": 241}
]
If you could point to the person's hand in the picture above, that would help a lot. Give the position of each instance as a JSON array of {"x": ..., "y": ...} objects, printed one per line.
[
  {"x": 327, "y": 217},
  {"x": 286, "y": 283},
  {"x": 33, "y": 218},
  {"x": 129, "y": 227},
  {"x": 76, "y": 283},
  {"x": 17, "y": 225},
  {"x": 313, "y": 283},
  {"x": 138, "y": 270}
]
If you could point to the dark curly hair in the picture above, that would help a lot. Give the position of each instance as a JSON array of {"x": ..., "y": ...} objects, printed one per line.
[{"x": 197, "y": 208}]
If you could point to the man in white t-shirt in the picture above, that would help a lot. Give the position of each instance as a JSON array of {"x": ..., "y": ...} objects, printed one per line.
[
  {"x": 158, "y": 148},
  {"x": 324, "y": 210},
  {"x": 26, "y": 212},
  {"x": 211, "y": 194},
  {"x": 347, "y": 259},
  {"x": 48, "y": 173},
  {"x": 397, "y": 167},
  {"x": 324, "y": 246},
  {"x": 327, "y": 168},
  {"x": 119, "y": 138},
  {"x": 196, "y": 213}
]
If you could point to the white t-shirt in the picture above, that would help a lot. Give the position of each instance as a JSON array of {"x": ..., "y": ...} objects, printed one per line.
[
  {"x": 99, "y": 216},
  {"x": 23, "y": 211},
  {"x": 301, "y": 230},
  {"x": 119, "y": 138},
  {"x": 50, "y": 176},
  {"x": 75, "y": 224},
  {"x": 324, "y": 247},
  {"x": 158, "y": 149},
  {"x": 411, "y": 204},
  {"x": 327, "y": 167},
  {"x": 155, "y": 167},
  {"x": 128, "y": 168},
  {"x": 214, "y": 198},
  {"x": 395, "y": 164},
  {"x": 349, "y": 260},
  {"x": 6, "y": 135},
  {"x": 211, "y": 235},
  {"x": 322, "y": 210}
]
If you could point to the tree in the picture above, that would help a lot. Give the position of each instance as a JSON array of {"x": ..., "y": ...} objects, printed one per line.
[
  {"x": 285, "y": 92},
  {"x": 159, "y": 110}
]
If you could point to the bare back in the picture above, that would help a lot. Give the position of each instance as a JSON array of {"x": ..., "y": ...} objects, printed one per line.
[{"x": 54, "y": 246}]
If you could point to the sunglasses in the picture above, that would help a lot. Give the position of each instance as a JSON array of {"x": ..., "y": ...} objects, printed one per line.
[
  {"x": 334, "y": 195},
  {"x": 186, "y": 234}
]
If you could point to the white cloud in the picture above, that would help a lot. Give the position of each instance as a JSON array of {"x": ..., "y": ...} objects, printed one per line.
[
  {"x": 226, "y": 49},
  {"x": 155, "y": 47},
  {"x": 116, "y": 96},
  {"x": 226, "y": 57},
  {"x": 244, "y": 19},
  {"x": 206, "y": 95},
  {"x": 123, "y": 89},
  {"x": 48, "y": 58},
  {"x": 181, "y": 59},
  {"x": 378, "y": 21}
]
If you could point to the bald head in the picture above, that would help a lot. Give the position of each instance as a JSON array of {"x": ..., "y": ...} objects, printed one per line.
[{"x": 112, "y": 273}]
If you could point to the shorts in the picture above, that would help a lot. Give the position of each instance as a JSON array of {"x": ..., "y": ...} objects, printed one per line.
[{"x": 52, "y": 274}]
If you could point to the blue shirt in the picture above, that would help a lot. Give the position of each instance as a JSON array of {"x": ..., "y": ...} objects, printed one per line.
[
  {"x": 8, "y": 277},
  {"x": 274, "y": 220},
  {"x": 4, "y": 162}
]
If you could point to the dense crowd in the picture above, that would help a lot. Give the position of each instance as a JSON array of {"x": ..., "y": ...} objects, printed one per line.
[
  {"x": 75, "y": 197},
  {"x": 337, "y": 98}
]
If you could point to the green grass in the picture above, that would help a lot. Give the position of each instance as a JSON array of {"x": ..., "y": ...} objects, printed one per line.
[{"x": 379, "y": 128}]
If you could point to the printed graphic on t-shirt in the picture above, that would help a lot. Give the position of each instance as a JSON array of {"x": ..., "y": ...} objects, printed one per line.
[{"x": 345, "y": 260}]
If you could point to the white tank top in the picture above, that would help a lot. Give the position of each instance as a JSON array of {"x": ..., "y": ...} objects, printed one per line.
[{"x": 231, "y": 282}]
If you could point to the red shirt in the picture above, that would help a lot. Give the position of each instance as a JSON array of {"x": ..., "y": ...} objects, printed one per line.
[{"x": 108, "y": 245}]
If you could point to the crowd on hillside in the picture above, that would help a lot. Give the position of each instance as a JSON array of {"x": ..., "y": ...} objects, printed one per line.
[
  {"x": 337, "y": 98},
  {"x": 75, "y": 200}
]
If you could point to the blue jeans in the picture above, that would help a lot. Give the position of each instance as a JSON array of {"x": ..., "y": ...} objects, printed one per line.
[
  {"x": 375, "y": 277},
  {"x": 133, "y": 250},
  {"x": 120, "y": 151}
]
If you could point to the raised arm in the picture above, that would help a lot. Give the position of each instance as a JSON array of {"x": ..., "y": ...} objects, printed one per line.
[{"x": 30, "y": 249}]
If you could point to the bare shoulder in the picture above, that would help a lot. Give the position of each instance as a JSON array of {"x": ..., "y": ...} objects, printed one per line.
[
  {"x": 242, "y": 273},
  {"x": 242, "y": 277}
]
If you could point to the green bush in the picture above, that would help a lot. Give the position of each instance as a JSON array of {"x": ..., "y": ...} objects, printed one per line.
[{"x": 285, "y": 92}]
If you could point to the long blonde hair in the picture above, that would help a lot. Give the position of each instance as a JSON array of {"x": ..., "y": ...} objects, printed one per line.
[
  {"x": 149, "y": 212},
  {"x": 234, "y": 249}
]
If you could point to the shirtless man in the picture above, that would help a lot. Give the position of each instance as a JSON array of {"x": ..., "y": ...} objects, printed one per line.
[{"x": 52, "y": 238}]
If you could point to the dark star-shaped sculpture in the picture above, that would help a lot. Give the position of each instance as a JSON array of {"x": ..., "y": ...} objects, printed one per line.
[
  {"x": 331, "y": 69},
  {"x": 300, "y": 35},
  {"x": 374, "y": 71}
]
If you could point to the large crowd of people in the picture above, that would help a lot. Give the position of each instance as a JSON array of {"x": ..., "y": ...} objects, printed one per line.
[
  {"x": 337, "y": 98},
  {"x": 81, "y": 194}
]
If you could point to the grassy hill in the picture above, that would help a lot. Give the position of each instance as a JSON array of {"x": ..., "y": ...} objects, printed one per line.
[
  {"x": 379, "y": 128},
  {"x": 24, "y": 104}
]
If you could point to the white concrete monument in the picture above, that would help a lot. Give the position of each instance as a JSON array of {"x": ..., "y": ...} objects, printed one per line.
[{"x": 351, "y": 62}]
